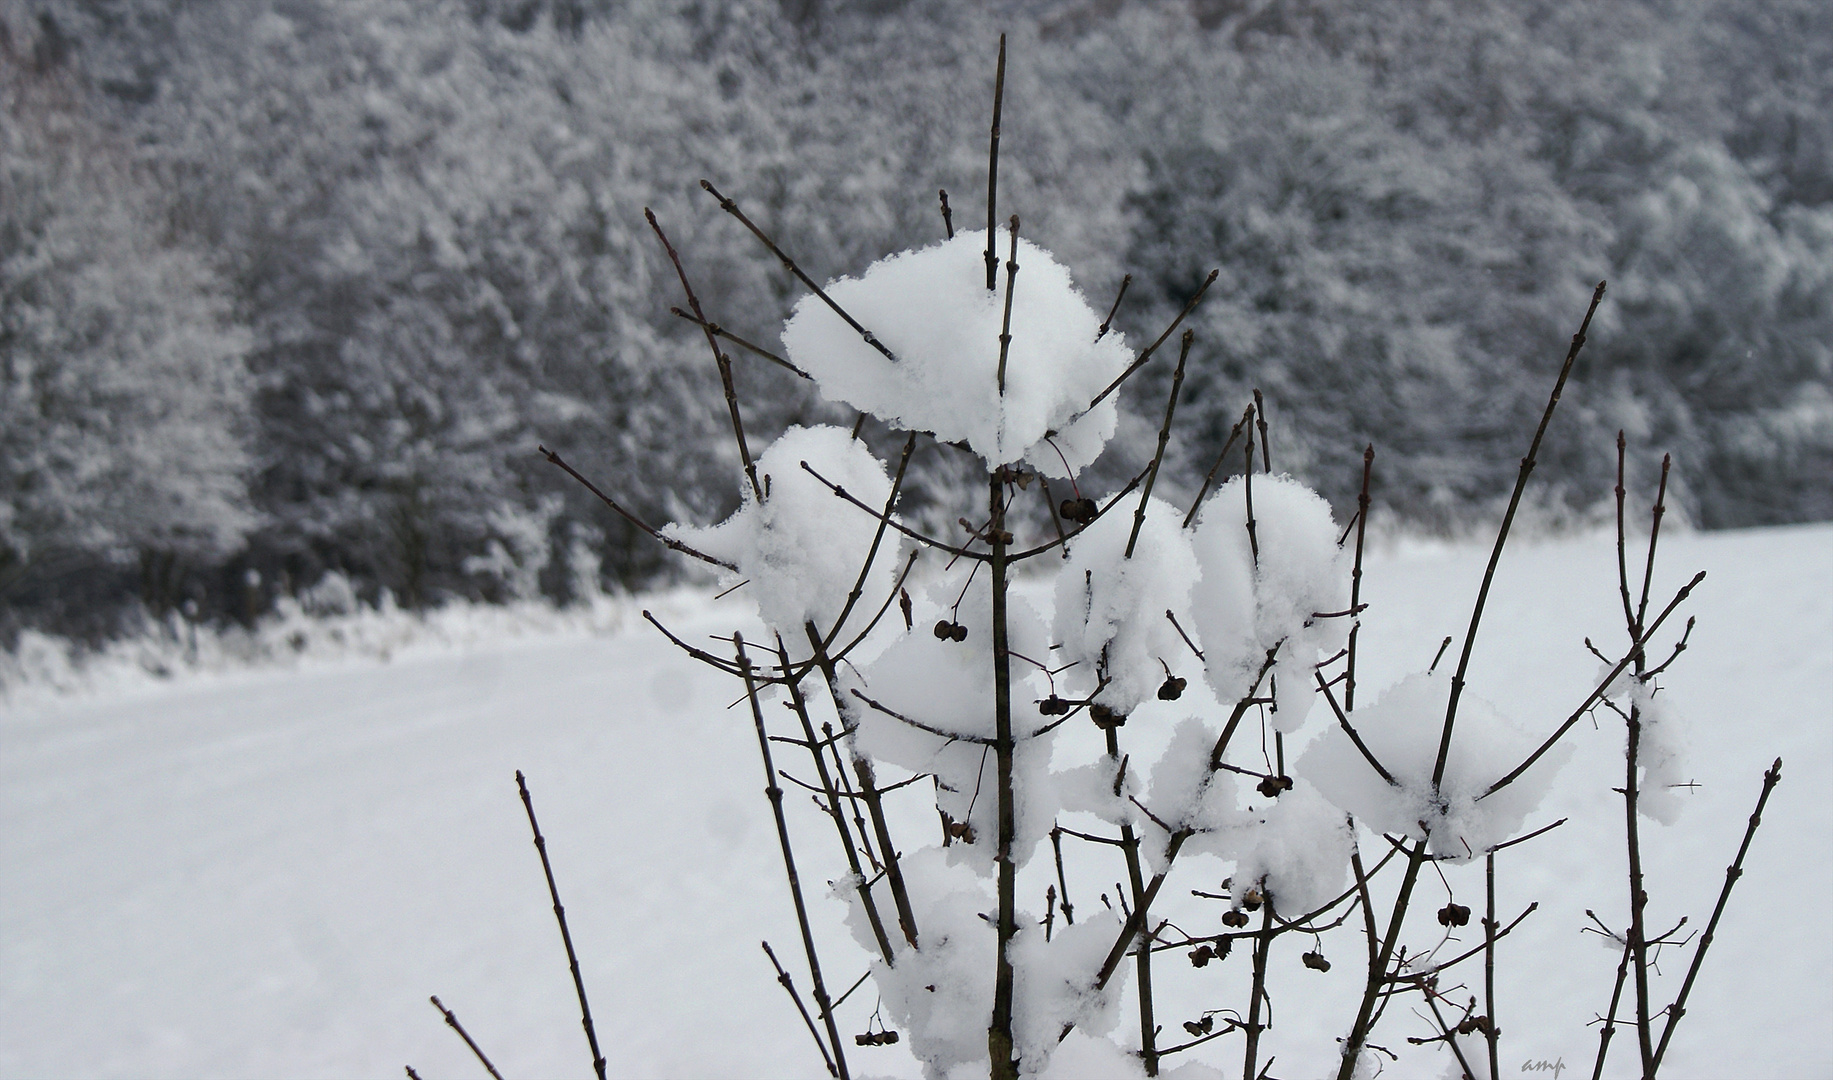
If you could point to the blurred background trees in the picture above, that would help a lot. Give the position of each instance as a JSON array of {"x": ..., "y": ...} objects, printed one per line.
[{"x": 290, "y": 286}]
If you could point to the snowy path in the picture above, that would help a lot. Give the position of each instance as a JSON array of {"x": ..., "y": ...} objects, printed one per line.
[{"x": 267, "y": 873}]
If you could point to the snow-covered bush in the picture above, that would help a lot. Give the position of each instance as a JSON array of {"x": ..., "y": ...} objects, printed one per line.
[{"x": 1231, "y": 623}]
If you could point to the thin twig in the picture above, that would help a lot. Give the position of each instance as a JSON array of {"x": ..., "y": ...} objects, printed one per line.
[
  {"x": 671, "y": 544},
  {"x": 999, "y": 97},
  {"x": 1736, "y": 870},
  {"x": 1350, "y": 730},
  {"x": 1001, "y": 1051},
  {"x": 1495, "y": 555},
  {"x": 731, "y": 207},
  {"x": 566, "y": 937},
  {"x": 452, "y": 1022},
  {"x": 951, "y": 736},
  {"x": 1005, "y": 328},
  {"x": 929, "y": 541},
  {"x": 1152, "y": 348},
  {"x": 1109, "y": 321},
  {"x": 1209, "y": 478},
  {"x": 837, "y": 1063},
  {"x": 862, "y": 768},
  {"x": 720, "y": 359},
  {"x": 783, "y": 980},
  {"x": 1180, "y": 633},
  {"x": 755, "y": 349},
  {"x": 1492, "y": 1032},
  {"x": 800, "y": 707},
  {"x": 1425, "y": 973},
  {"x": 948, "y": 216},
  {"x": 699, "y": 654},
  {"x": 1355, "y": 580},
  {"x": 859, "y": 583},
  {"x": 1260, "y": 421},
  {"x": 1590, "y": 699},
  {"x": 1164, "y": 438}
]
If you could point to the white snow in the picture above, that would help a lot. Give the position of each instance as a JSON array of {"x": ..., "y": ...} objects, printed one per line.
[
  {"x": 1261, "y": 591},
  {"x": 265, "y": 868},
  {"x": 1110, "y": 609},
  {"x": 800, "y": 549},
  {"x": 1403, "y": 730},
  {"x": 931, "y": 308}
]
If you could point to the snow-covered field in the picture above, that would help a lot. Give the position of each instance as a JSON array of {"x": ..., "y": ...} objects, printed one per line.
[{"x": 264, "y": 870}]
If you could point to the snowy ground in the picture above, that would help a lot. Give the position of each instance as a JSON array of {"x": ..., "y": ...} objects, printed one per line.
[{"x": 266, "y": 871}]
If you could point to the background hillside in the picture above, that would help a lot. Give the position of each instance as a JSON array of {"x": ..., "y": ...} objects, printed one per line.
[{"x": 292, "y": 286}]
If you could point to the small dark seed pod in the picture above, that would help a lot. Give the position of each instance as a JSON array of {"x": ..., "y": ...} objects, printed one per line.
[
  {"x": 960, "y": 632},
  {"x": 1454, "y": 915},
  {"x": 1236, "y": 918},
  {"x": 1202, "y": 956},
  {"x": 1172, "y": 689},
  {"x": 944, "y": 629},
  {"x": 1315, "y": 961}
]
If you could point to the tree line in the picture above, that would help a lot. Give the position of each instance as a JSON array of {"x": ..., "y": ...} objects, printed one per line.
[{"x": 294, "y": 286}]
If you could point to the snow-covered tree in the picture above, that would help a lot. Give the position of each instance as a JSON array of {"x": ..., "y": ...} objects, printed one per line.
[{"x": 124, "y": 399}]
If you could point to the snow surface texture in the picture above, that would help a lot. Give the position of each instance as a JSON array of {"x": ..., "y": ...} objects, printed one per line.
[
  {"x": 264, "y": 870},
  {"x": 931, "y": 308},
  {"x": 801, "y": 548}
]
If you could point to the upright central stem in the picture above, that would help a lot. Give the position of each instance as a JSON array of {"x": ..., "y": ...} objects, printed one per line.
[{"x": 999, "y": 1035}]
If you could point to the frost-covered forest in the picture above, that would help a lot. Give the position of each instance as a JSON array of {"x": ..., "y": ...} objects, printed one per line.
[{"x": 295, "y": 286}]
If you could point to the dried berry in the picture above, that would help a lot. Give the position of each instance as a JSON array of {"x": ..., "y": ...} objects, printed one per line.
[
  {"x": 1172, "y": 689},
  {"x": 1201, "y": 956},
  {"x": 1080, "y": 511},
  {"x": 1454, "y": 915},
  {"x": 1315, "y": 961},
  {"x": 1053, "y": 706},
  {"x": 944, "y": 629},
  {"x": 960, "y": 632},
  {"x": 1235, "y": 918},
  {"x": 1200, "y": 1027},
  {"x": 1105, "y": 717},
  {"x": 1253, "y": 899},
  {"x": 1273, "y": 785}
]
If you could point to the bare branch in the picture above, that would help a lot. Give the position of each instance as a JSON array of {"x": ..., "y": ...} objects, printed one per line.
[{"x": 672, "y": 545}]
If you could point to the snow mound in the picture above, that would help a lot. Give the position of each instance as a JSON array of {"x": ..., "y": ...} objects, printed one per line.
[{"x": 931, "y": 308}]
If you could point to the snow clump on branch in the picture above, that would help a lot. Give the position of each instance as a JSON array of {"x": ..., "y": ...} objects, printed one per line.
[
  {"x": 801, "y": 547},
  {"x": 1246, "y": 605},
  {"x": 931, "y": 308},
  {"x": 1402, "y": 730}
]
